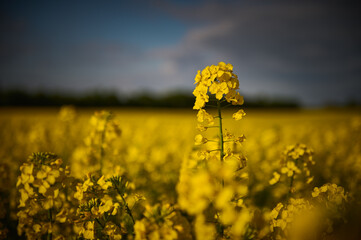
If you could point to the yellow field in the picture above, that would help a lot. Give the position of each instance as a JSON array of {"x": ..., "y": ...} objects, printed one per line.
[{"x": 154, "y": 152}]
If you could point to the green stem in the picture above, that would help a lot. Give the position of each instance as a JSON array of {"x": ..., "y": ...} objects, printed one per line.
[
  {"x": 291, "y": 183},
  {"x": 126, "y": 206},
  {"x": 128, "y": 209},
  {"x": 221, "y": 152},
  {"x": 50, "y": 216},
  {"x": 291, "y": 186},
  {"x": 221, "y": 141},
  {"x": 228, "y": 105},
  {"x": 214, "y": 150},
  {"x": 100, "y": 224}
]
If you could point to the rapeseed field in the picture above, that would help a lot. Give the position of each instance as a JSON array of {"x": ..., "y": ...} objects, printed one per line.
[{"x": 215, "y": 172}]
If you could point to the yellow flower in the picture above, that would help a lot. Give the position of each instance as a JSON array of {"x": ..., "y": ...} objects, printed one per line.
[
  {"x": 316, "y": 192},
  {"x": 48, "y": 203},
  {"x": 203, "y": 116},
  {"x": 140, "y": 230},
  {"x": 52, "y": 176},
  {"x": 206, "y": 73},
  {"x": 88, "y": 183},
  {"x": 201, "y": 128},
  {"x": 115, "y": 209},
  {"x": 199, "y": 139},
  {"x": 224, "y": 197},
  {"x": 309, "y": 180},
  {"x": 37, "y": 228},
  {"x": 23, "y": 197},
  {"x": 324, "y": 188},
  {"x": 204, "y": 231},
  {"x": 41, "y": 174},
  {"x": 198, "y": 77},
  {"x": 240, "y": 224},
  {"x": 235, "y": 98},
  {"x": 239, "y": 115},
  {"x": 26, "y": 173},
  {"x": 104, "y": 184},
  {"x": 229, "y": 67},
  {"x": 276, "y": 210},
  {"x": 42, "y": 189},
  {"x": 275, "y": 179},
  {"x": 222, "y": 65},
  {"x": 29, "y": 189},
  {"x": 27, "y": 168},
  {"x": 214, "y": 69},
  {"x": 112, "y": 231},
  {"x": 79, "y": 193},
  {"x": 224, "y": 76},
  {"x": 228, "y": 215},
  {"x": 241, "y": 139},
  {"x": 89, "y": 230},
  {"x": 200, "y": 101},
  {"x": 105, "y": 207}
]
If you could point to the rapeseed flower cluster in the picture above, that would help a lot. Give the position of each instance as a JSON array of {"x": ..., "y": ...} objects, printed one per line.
[
  {"x": 218, "y": 80},
  {"x": 311, "y": 218},
  {"x": 283, "y": 219},
  {"x": 43, "y": 185},
  {"x": 331, "y": 200},
  {"x": 104, "y": 207},
  {"x": 296, "y": 160},
  {"x": 305, "y": 218},
  {"x": 157, "y": 224}
]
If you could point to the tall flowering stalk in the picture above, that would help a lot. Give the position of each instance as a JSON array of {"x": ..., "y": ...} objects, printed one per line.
[
  {"x": 221, "y": 82},
  {"x": 212, "y": 184},
  {"x": 96, "y": 153}
]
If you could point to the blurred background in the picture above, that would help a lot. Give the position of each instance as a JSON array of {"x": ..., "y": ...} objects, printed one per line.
[
  {"x": 301, "y": 56},
  {"x": 146, "y": 53}
]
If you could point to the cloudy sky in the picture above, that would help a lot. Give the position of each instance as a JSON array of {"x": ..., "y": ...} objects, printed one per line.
[{"x": 309, "y": 50}]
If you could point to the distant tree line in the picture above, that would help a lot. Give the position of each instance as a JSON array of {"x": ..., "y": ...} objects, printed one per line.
[{"x": 100, "y": 99}]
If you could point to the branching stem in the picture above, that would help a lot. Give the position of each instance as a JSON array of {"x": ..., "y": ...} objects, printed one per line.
[
  {"x": 127, "y": 209},
  {"x": 96, "y": 219},
  {"x": 214, "y": 150}
]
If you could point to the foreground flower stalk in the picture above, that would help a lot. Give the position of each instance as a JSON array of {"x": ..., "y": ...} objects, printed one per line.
[
  {"x": 212, "y": 185},
  {"x": 221, "y": 141}
]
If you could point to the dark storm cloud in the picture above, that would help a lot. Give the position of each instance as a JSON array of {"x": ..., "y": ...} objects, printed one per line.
[
  {"x": 82, "y": 45},
  {"x": 304, "y": 49},
  {"x": 308, "y": 49},
  {"x": 12, "y": 30},
  {"x": 70, "y": 66}
]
